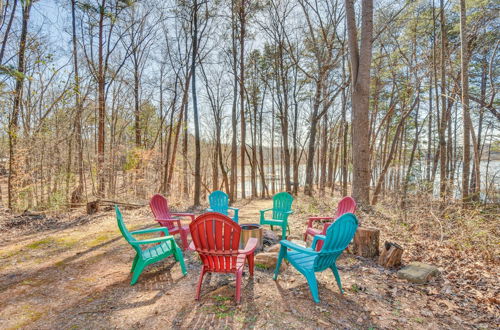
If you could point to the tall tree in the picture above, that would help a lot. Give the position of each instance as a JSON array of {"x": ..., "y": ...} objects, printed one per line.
[
  {"x": 242, "y": 16},
  {"x": 77, "y": 194},
  {"x": 360, "y": 56},
  {"x": 14, "y": 153},
  {"x": 194, "y": 55},
  {"x": 464, "y": 57}
]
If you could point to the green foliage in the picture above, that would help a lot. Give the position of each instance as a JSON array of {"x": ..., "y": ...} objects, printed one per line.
[{"x": 133, "y": 159}]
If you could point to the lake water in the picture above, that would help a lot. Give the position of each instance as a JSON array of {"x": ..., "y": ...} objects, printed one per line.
[{"x": 490, "y": 175}]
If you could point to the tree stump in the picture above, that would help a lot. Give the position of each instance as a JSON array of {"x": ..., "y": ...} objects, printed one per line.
[
  {"x": 391, "y": 255},
  {"x": 93, "y": 207},
  {"x": 365, "y": 242}
]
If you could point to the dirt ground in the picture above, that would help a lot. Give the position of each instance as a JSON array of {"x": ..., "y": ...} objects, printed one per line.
[{"x": 72, "y": 271}]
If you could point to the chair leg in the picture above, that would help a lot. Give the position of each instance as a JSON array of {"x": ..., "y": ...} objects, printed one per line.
[
  {"x": 305, "y": 237},
  {"x": 278, "y": 263},
  {"x": 184, "y": 240},
  {"x": 179, "y": 257},
  {"x": 313, "y": 285},
  {"x": 134, "y": 263},
  {"x": 238, "y": 285},
  {"x": 198, "y": 288},
  {"x": 283, "y": 232},
  {"x": 250, "y": 260},
  {"x": 139, "y": 267},
  {"x": 337, "y": 277}
]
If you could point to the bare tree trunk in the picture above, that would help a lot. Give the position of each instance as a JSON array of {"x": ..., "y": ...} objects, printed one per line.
[
  {"x": 465, "y": 101},
  {"x": 197, "y": 166},
  {"x": 444, "y": 117},
  {"x": 234, "y": 121},
  {"x": 324, "y": 155},
  {"x": 101, "y": 106},
  {"x": 77, "y": 194},
  {"x": 14, "y": 181},
  {"x": 360, "y": 73},
  {"x": 242, "y": 17}
]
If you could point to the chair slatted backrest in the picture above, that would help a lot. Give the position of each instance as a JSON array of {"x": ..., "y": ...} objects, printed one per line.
[
  {"x": 216, "y": 238},
  {"x": 346, "y": 205},
  {"x": 219, "y": 202},
  {"x": 160, "y": 209},
  {"x": 282, "y": 202},
  {"x": 338, "y": 236},
  {"x": 123, "y": 229}
]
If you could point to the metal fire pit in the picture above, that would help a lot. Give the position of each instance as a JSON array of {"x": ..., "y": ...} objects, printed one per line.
[{"x": 248, "y": 231}]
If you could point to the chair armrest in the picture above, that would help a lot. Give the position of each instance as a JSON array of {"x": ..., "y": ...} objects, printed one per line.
[
  {"x": 178, "y": 221},
  {"x": 180, "y": 214},
  {"x": 153, "y": 240},
  {"x": 235, "y": 210},
  {"x": 312, "y": 219},
  {"x": 316, "y": 239},
  {"x": 150, "y": 230},
  {"x": 250, "y": 247},
  {"x": 296, "y": 247},
  {"x": 265, "y": 210},
  {"x": 209, "y": 210}
]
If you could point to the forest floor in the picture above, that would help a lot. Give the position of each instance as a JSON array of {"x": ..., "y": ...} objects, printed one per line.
[{"x": 72, "y": 271}]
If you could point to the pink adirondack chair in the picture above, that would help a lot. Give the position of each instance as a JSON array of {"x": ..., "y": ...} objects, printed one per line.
[
  {"x": 159, "y": 207},
  {"x": 346, "y": 205},
  {"x": 216, "y": 238}
]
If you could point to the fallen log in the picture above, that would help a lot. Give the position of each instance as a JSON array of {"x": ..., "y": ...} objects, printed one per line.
[
  {"x": 95, "y": 206},
  {"x": 391, "y": 255},
  {"x": 365, "y": 242}
]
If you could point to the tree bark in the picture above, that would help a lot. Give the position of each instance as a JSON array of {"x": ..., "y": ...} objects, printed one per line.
[
  {"x": 360, "y": 73},
  {"x": 15, "y": 180},
  {"x": 242, "y": 17},
  {"x": 465, "y": 102},
  {"x": 197, "y": 164}
]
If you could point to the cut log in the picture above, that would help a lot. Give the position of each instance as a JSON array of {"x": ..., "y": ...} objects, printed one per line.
[
  {"x": 391, "y": 255},
  {"x": 365, "y": 242},
  {"x": 93, "y": 207}
]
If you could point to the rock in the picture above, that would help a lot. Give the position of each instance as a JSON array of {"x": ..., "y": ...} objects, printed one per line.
[
  {"x": 269, "y": 237},
  {"x": 268, "y": 260},
  {"x": 417, "y": 272},
  {"x": 274, "y": 248}
]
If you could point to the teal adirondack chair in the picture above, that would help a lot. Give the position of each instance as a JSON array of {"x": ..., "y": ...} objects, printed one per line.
[
  {"x": 219, "y": 202},
  {"x": 308, "y": 261},
  {"x": 282, "y": 208},
  {"x": 166, "y": 247}
]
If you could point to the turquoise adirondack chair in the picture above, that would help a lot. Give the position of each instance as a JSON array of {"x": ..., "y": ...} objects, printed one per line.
[
  {"x": 308, "y": 261},
  {"x": 282, "y": 208},
  {"x": 219, "y": 202},
  {"x": 166, "y": 247}
]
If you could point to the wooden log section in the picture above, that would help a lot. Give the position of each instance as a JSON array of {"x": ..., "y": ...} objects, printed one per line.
[
  {"x": 391, "y": 255},
  {"x": 365, "y": 242},
  {"x": 93, "y": 207}
]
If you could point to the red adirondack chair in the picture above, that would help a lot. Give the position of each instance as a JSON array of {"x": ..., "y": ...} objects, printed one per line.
[
  {"x": 346, "y": 205},
  {"x": 216, "y": 238},
  {"x": 159, "y": 207}
]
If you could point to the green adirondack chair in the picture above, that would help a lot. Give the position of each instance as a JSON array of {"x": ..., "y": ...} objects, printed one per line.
[
  {"x": 166, "y": 247},
  {"x": 282, "y": 208},
  {"x": 308, "y": 261}
]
